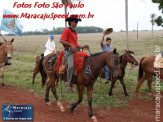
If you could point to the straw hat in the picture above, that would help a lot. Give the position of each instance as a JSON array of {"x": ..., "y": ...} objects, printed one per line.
[{"x": 107, "y": 31}]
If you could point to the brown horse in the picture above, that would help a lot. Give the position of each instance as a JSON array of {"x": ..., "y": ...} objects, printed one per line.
[
  {"x": 146, "y": 71},
  {"x": 5, "y": 53},
  {"x": 124, "y": 59},
  {"x": 85, "y": 78}
]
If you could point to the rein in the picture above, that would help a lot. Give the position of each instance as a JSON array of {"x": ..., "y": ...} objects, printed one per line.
[{"x": 88, "y": 69}]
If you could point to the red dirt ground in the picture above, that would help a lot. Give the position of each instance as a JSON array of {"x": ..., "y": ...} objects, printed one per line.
[{"x": 137, "y": 111}]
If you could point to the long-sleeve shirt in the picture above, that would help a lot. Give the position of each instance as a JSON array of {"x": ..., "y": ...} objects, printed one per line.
[
  {"x": 50, "y": 46},
  {"x": 106, "y": 48}
]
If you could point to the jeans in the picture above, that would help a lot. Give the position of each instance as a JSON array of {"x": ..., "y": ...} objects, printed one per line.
[
  {"x": 69, "y": 55},
  {"x": 107, "y": 72}
]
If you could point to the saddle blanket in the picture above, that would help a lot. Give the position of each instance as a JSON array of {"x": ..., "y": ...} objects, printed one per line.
[{"x": 78, "y": 60}]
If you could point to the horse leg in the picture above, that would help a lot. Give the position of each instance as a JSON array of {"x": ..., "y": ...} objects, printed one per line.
[
  {"x": 53, "y": 89},
  {"x": 36, "y": 69},
  {"x": 2, "y": 76},
  {"x": 89, "y": 94},
  {"x": 140, "y": 83},
  {"x": 47, "y": 92},
  {"x": 124, "y": 87},
  {"x": 80, "y": 89},
  {"x": 112, "y": 86},
  {"x": 149, "y": 83}
]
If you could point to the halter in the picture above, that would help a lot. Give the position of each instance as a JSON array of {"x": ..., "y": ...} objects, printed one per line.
[{"x": 129, "y": 58}]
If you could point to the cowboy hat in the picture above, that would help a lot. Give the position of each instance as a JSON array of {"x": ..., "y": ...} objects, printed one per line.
[
  {"x": 72, "y": 18},
  {"x": 107, "y": 31}
]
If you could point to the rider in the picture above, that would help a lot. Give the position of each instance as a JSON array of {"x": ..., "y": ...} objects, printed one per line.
[
  {"x": 69, "y": 39},
  {"x": 106, "y": 48},
  {"x": 50, "y": 45},
  {"x": 50, "y": 48}
]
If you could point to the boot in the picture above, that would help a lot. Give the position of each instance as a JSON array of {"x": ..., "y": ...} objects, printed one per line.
[{"x": 69, "y": 88}]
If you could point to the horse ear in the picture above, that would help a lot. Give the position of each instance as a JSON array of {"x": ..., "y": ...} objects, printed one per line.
[
  {"x": 4, "y": 39},
  {"x": 12, "y": 40},
  {"x": 114, "y": 51},
  {"x": 126, "y": 51}
]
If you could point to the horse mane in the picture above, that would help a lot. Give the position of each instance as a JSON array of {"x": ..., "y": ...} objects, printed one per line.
[
  {"x": 96, "y": 54},
  {"x": 130, "y": 52}
]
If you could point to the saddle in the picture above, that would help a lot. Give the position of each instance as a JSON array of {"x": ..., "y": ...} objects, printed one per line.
[
  {"x": 53, "y": 57},
  {"x": 78, "y": 62},
  {"x": 158, "y": 63}
]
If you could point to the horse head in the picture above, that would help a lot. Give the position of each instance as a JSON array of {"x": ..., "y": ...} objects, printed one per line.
[
  {"x": 130, "y": 57},
  {"x": 8, "y": 47},
  {"x": 114, "y": 63}
]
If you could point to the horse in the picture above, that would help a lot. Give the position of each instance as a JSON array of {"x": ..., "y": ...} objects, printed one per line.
[
  {"x": 5, "y": 53},
  {"x": 146, "y": 72},
  {"x": 85, "y": 78},
  {"x": 127, "y": 57}
]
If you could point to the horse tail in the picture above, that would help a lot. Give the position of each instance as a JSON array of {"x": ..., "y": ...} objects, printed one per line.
[
  {"x": 42, "y": 72},
  {"x": 140, "y": 73}
]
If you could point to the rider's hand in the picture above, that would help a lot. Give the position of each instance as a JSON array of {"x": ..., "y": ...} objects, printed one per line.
[
  {"x": 86, "y": 47},
  {"x": 73, "y": 48}
]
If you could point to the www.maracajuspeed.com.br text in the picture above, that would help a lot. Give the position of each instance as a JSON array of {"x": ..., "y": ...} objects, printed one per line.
[{"x": 45, "y": 16}]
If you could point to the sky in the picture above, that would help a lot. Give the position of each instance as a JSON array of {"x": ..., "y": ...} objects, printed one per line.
[{"x": 107, "y": 13}]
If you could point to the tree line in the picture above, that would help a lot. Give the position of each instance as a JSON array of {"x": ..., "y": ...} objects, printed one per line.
[{"x": 85, "y": 29}]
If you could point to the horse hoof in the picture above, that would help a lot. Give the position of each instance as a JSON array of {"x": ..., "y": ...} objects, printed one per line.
[
  {"x": 126, "y": 95},
  {"x": 71, "y": 110},
  {"x": 3, "y": 85},
  {"x": 110, "y": 94},
  {"x": 136, "y": 94},
  {"x": 94, "y": 119},
  {"x": 49, "y": 104},
  {"x": 62, "y": 109}
]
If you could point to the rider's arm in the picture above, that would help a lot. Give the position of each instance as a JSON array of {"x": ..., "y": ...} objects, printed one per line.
[{"x": 102, "y": 41}]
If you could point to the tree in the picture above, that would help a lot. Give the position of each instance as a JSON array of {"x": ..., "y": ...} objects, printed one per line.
[
  {"x": 152, "y": 21},
  {"x": 159, "y": 19}
]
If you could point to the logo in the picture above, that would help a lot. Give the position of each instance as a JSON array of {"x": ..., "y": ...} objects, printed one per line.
[{"x": 17, "y": 112}]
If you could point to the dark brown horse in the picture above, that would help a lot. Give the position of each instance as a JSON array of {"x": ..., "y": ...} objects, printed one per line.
[
  {"x": 5, "y": 53},
  {"x": 146, "y": 72},
  {"x": 85, "y": 78},
  {"x": 127, "y": 57}
]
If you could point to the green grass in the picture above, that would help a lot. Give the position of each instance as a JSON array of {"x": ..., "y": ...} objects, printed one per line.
[{"x": 21, "y": 71}]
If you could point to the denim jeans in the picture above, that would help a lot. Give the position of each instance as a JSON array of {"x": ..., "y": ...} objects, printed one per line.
[
  {"x": 107, "y": 72},
  {"x": 69, "y": 55}
]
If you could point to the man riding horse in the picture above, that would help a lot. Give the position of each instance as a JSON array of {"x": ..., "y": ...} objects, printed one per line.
[{"x": 69, "y": 39}]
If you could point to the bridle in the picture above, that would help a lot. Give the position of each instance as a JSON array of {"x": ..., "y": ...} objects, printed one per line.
[
  {"x": 88, "y": 68},
  {"x": 131, "y": 60}
]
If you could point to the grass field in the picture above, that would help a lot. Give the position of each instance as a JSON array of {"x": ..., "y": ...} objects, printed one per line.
[{"x": 23, "y": 62}]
